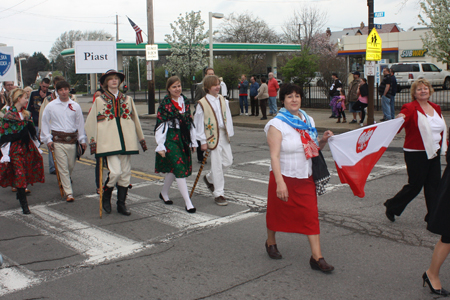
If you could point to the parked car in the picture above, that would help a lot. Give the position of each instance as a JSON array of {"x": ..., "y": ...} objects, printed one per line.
[
  {"x": 407, "y": 72},
  {"x": 317, "y": 80}
]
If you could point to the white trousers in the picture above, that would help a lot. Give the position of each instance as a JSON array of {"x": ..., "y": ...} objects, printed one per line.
[
  {"x": 119, "y": 170},
  {"x": 221, "y": 160},
  {"x": 65, "y": 155}
]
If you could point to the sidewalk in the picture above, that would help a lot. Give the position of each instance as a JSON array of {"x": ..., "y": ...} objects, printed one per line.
[{"x": 320, "y": 116}]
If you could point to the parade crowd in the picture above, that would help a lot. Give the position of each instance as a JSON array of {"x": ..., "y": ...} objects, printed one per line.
[{"x": 112, "y": 131}]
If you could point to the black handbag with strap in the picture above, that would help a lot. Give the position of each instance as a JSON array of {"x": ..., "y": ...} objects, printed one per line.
[{"x": 320, "y": 173}]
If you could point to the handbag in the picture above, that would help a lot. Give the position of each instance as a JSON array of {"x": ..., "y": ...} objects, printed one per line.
[{"x": 320, "y": 173}]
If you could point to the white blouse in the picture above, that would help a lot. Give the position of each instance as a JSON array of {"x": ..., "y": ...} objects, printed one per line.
[{"x": 293, "y": 162}]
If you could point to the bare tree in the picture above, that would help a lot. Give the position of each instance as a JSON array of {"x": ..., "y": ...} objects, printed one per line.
[
  {"x": 246, "y": 28},
  {"x": 305, "y": 24}
]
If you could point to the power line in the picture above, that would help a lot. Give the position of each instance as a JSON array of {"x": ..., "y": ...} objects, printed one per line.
[
  {"x": 13, "y": 6},
  {"x": 24, "y": 10}
]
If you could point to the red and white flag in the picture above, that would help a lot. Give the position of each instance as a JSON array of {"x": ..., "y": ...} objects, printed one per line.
[{"x": 356, "y": 152}]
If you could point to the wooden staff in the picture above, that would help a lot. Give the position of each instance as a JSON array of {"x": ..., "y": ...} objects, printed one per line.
[
  {"x": 57, "y": 174},
  {"x": 199, "y": 172},
  {"x": 100, "y": 180}
]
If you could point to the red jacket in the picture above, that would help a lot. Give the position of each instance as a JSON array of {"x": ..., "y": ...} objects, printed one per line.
[
  {"x": 273, "y": 87},
  {"x": 413, "y": 139}
]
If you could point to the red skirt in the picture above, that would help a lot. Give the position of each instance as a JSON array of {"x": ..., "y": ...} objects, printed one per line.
[
  {"x": 26, "y": 166},
  {"x": 300, "y": 213}
]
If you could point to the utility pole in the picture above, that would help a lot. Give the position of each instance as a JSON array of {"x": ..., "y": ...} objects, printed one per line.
[
  {"x": 371, "y": 78},
  {"x": 150, "y": 64},
  {"x": 117, "y": 28}
]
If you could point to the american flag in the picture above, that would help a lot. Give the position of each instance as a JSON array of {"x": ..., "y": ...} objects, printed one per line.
[{"x": 138, "y": 32}]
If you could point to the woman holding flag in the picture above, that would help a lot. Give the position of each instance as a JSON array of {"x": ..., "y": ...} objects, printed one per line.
[
  {"x": 175, "y": 136},
  {"x": 292, "y": 199},
  {"x": 425, "y": 140}
]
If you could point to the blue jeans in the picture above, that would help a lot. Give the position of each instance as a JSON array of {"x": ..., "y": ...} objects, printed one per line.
[
  {"x": 243, "y": 100},
  {"x": 273, "y": 105},
  {"x": 386, "y": 106},
  {"x": 393, "y": 107}
]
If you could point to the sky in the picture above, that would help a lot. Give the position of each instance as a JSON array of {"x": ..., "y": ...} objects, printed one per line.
[{"x": 34, "y": 25}]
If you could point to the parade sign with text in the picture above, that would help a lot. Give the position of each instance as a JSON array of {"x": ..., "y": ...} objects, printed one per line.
[
  {"x": 95, "y": 56},
  {"x": 7, "y": 66}
]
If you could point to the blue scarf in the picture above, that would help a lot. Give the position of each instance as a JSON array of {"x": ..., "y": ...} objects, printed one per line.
[{"x": 295, "y": 122}]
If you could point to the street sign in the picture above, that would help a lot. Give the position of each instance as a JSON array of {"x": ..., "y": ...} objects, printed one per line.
[
  {"x": 379, "y": 14},
  {"x": 377, "y": 26},
  {"x": 149, "y": 70},
  {"x": 373, "y": 46},
  {"x": 369, "y": 68},
  {"x": 151, "y": 52}
]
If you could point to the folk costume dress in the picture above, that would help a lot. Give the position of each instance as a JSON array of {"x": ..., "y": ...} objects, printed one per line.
[
  {"x": 299, "y": 144},
  {"x": 175, "y": 134},
  {"x": 21, "y": 162}
]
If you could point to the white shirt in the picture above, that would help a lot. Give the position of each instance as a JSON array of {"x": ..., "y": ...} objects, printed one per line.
[
  {"x": 293, "y": 162},
  {"x": 161, "y": 131},
  {"x": 223, "y": 89},
  {"x": 199, "y": 118},
  {"x": 58, "y": 116}
]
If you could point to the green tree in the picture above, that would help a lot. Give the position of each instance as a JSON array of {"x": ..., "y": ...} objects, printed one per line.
[
  {"x": 230, "y": 69},
  {"x": 437, "y": 42},
  {"x": 187, "y": 44},
  {"x": 301, "y": 68}
]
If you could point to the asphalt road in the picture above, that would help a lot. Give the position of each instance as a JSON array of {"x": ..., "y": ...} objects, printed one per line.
[{"x": 65, "y": 251}]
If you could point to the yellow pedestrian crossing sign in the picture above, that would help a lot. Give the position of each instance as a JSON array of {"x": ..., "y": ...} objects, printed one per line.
[{"x": 373, "y": 48}]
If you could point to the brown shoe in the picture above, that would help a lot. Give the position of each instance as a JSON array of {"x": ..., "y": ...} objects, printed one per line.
[
  {"x": 13, "y": 189},
  {"x": 209, "y": 185},
  {"x": 320, "y": 264},
  {"x": 221, "y": 201},
  {"x": 273, "y": 252},
  {"x": 27, "y": 191},
  {"x": 70, "y": 198}
]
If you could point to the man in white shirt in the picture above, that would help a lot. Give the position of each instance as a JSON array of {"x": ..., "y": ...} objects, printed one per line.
[{"x": 61, "y": 127}]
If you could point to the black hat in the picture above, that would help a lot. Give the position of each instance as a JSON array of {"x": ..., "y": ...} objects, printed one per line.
[
  {"x": 111, "y": 72},
  {"x": 356, "y": 73}
]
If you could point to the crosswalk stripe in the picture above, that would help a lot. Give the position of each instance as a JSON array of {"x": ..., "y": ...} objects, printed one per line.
[{"x": 98, "y": 245}]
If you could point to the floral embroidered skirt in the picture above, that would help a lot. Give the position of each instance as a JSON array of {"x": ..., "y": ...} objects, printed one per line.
[
  {"x": 26, "y": 166},
  {"x": 177, "y": 161}
]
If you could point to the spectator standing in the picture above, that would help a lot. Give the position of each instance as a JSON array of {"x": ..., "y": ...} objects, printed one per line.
[
  {"x": 363, "y": 96},
  {"x": 352, "y": 95},
  {"x": 36, "y": 100},
  {"x": 254, "y": 86},
  {"x": 334, "y": 90},
  {"x": 385, "y": 92},
  {"x": 263, "y": 96},
  {"x": 393, "y": 92},
  {"x": 243, "y": 95},
  {"x": 273, "y": 90}
]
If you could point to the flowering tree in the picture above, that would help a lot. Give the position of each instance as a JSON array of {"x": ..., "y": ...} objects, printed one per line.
[
  {"x": 187, "y": 44},
  {"x": 437, "y": 41}
]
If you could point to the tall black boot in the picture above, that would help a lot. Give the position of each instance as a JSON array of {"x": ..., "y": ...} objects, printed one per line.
[
  {"x": 121, "y": 197},
  {"x": 106, "y": 199},
  {"x": 22, "y": 197}
]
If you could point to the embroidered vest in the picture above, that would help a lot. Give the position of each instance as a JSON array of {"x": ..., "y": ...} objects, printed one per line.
[{"x": 211, "y": 124}]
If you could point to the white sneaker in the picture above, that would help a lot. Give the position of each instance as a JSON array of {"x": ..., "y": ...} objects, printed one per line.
[
  {"x": 361, "y": 124},
  {"x": 246, "y": 114},
  {"x": 241, "y": 114}
]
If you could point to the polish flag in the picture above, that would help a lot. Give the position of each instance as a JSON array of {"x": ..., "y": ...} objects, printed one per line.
[{"x": 356, "y": 152}]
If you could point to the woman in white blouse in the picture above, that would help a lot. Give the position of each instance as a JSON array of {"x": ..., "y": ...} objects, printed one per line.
[
  {"x": 292, "y": 199},
  {"x": 175, "y": 136}
]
